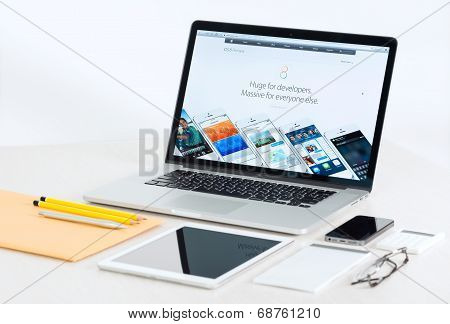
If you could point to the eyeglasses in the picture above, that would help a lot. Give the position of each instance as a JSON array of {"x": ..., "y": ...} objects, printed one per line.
[{"x": 383, "y": 268}]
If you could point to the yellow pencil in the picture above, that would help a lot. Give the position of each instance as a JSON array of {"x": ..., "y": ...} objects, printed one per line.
[
  {"x": 92, "y": 208},
  {"x": 83, "y": 212}
]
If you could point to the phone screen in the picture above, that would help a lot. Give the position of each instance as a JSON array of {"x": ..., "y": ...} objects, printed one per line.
[
  {"x": 355, "y": 149},
  {"x": 360, "y": 228},
  {"x": 226, "y": 139},
  {"x": 315, "y": 151},
  {"x": 270, "y": 145},
  {"x": 189, "y": 141}
]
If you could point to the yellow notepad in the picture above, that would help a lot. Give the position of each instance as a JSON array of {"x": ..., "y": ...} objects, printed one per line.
[{"x": 22, "y": 229}]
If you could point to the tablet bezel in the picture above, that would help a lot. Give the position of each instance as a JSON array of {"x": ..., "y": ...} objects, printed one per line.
[{"x": 111, "y": 265}]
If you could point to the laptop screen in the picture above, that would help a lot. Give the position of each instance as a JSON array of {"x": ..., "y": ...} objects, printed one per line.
[{"x": 280, "y": 103}]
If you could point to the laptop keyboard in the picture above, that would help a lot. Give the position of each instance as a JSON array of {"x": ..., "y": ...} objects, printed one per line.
[{"x": 242, "y": 188}]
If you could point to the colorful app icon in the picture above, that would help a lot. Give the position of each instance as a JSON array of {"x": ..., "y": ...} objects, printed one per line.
[
  {"x": 326, "y": 166},
  {"x": 336, "y": 162},
  {"x": 316, "y": 170}
]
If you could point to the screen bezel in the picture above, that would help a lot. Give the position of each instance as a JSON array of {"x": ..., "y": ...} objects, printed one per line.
[
  {"x": 112, "y": 265},
  {"x": 276, "y": 174}
]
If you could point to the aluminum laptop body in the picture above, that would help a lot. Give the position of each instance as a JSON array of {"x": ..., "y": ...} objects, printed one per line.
[{"x": 274, "y": 128}]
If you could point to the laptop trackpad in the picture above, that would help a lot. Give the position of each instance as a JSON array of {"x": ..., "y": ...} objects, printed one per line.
[{"x": 205, "y": 204}]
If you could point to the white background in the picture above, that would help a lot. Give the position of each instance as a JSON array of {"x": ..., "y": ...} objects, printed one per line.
[
  {"x": 49, "y": 95},
  {"x": 113, "y": 314}
]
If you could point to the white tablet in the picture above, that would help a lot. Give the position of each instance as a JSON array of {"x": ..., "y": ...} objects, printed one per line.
[{"x": 198, "y": 255}]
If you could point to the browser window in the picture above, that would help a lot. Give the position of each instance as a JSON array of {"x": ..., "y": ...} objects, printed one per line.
[{"x": 298, "y": 86}]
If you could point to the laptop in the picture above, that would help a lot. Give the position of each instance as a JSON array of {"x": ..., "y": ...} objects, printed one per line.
[{"x": 274, "y": 128}]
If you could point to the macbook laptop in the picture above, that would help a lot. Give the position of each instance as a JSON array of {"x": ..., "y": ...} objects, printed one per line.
[{"x": 273, "y": 128}]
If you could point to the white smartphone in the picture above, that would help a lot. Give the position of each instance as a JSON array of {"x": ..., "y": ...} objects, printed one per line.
[
  {"x": 190, "y": 142},
  {"x": 225, "y": 138},
  {"x": 351, "y": 143},
  {"x": 359, "y": 230},
  {"x": 314, "y": 150},
  {"x": 269, "y": 144}
]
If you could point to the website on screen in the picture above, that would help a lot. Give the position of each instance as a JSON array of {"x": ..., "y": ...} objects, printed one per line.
[{"x": 290, "y": 104}]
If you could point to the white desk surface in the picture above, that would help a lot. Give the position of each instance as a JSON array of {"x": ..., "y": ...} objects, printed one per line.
[{"x": 402, "y": 192}]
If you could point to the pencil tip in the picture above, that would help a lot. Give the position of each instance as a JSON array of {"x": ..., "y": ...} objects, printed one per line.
[
  {"x": 36, "y": 203},
  {"x": 43, "y": 198}
]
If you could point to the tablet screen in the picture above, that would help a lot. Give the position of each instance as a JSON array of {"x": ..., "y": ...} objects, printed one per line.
[{"x": 197, "y": 252}]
